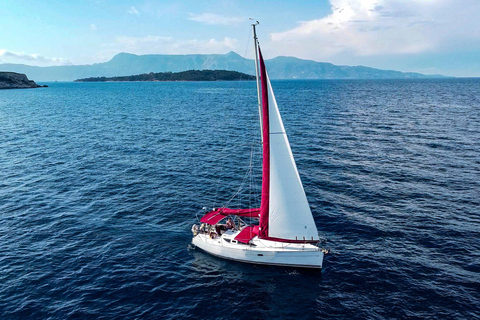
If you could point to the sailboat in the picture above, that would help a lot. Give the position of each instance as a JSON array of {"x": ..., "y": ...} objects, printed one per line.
[{"x": 282, "y": 232}]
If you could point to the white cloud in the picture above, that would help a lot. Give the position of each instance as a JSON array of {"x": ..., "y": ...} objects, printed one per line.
[
  {"x": 133, "y": 10},
  {"x": 215, "y": 19},
  {"x": 381, "y": 27},
  {"x": 93, "y": 27},
  {"x": 167, "y": 45},
  {"x": 7, "y": 56}
]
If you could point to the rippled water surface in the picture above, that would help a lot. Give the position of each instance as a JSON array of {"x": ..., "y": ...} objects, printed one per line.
[{"x": 100, "y": 184}]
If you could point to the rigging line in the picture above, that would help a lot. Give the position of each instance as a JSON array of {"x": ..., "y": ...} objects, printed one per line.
[
  {"x": 247, "y": 176},
  {"x": 253, "y": 190},
  {"x": 254, "y": 186},
  {"x": 218, "y": 180},
  {"x": 222, "y": 160},
  {"x": 225, "y": 156},
  {"x": 250, "y": 176},
  {"x": 245, "y": 52},
  {"x": 222, "y": 157},
  {"x": 251, "y": 166},
  {"x": 240, "y": 188}
]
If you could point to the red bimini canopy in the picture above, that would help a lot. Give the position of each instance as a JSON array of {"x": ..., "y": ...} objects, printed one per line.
[
  {"x": 251, "y": 213},
  {"x": 213, "y": 217},
  {"x": 245, "y": 235}
]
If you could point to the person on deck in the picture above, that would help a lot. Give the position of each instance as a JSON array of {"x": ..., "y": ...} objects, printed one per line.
[
  {"x": 220, "y": 228},
  {"x": 230, "y": 224}
]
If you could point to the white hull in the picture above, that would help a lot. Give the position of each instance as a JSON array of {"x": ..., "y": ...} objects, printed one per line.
[{"x": 261, "y": 251}]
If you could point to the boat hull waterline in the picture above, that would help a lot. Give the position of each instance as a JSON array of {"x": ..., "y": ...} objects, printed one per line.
[{"x": 259, "y": 251}]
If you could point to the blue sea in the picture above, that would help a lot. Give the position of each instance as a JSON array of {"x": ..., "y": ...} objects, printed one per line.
[{"x": 100, "y": 184}]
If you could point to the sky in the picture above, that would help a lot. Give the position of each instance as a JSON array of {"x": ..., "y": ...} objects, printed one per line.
[{"x": 426, "y": 36}]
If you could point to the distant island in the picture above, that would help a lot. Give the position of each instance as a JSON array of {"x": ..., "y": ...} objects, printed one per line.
[
  {"x": 190, "y": 75},
  {"x": 13, "y": 80}
]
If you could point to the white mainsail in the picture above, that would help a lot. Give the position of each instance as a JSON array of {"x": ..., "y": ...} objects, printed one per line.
[{"x": 289, "y": 212}]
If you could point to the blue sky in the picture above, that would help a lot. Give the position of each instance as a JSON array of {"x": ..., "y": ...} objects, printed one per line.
[{"x": 428, "y": 36}]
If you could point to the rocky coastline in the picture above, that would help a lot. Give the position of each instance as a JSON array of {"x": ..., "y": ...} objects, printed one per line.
[{"x": 13, "y": 80}]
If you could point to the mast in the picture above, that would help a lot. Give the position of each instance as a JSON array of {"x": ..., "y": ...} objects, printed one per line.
[
  {"x": 285, "y": 214},
  {"x": 255, "y": 45}
]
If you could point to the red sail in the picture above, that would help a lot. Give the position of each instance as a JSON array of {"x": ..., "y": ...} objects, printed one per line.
[{"x": 264, "y": 206}]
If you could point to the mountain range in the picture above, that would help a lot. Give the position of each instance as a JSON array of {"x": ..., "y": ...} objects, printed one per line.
[{"x": 126, "y": 64}]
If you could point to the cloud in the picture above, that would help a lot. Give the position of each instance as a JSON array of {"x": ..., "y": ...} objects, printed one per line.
[
  {"x": 93, "y": 27},
  {"x": 382, "y": 27},
  {"x": 214, "y": 19},
  {"x": 168, "y": 45},
  {"x": 133, "y": 10},
  {"x": 7, "y": 56}
]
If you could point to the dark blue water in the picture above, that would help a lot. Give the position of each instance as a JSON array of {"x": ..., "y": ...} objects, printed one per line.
[{"x": 100, "y": 184}]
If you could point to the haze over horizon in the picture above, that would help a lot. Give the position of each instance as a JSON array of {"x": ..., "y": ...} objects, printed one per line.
[{"x": 430, "y": 37}]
